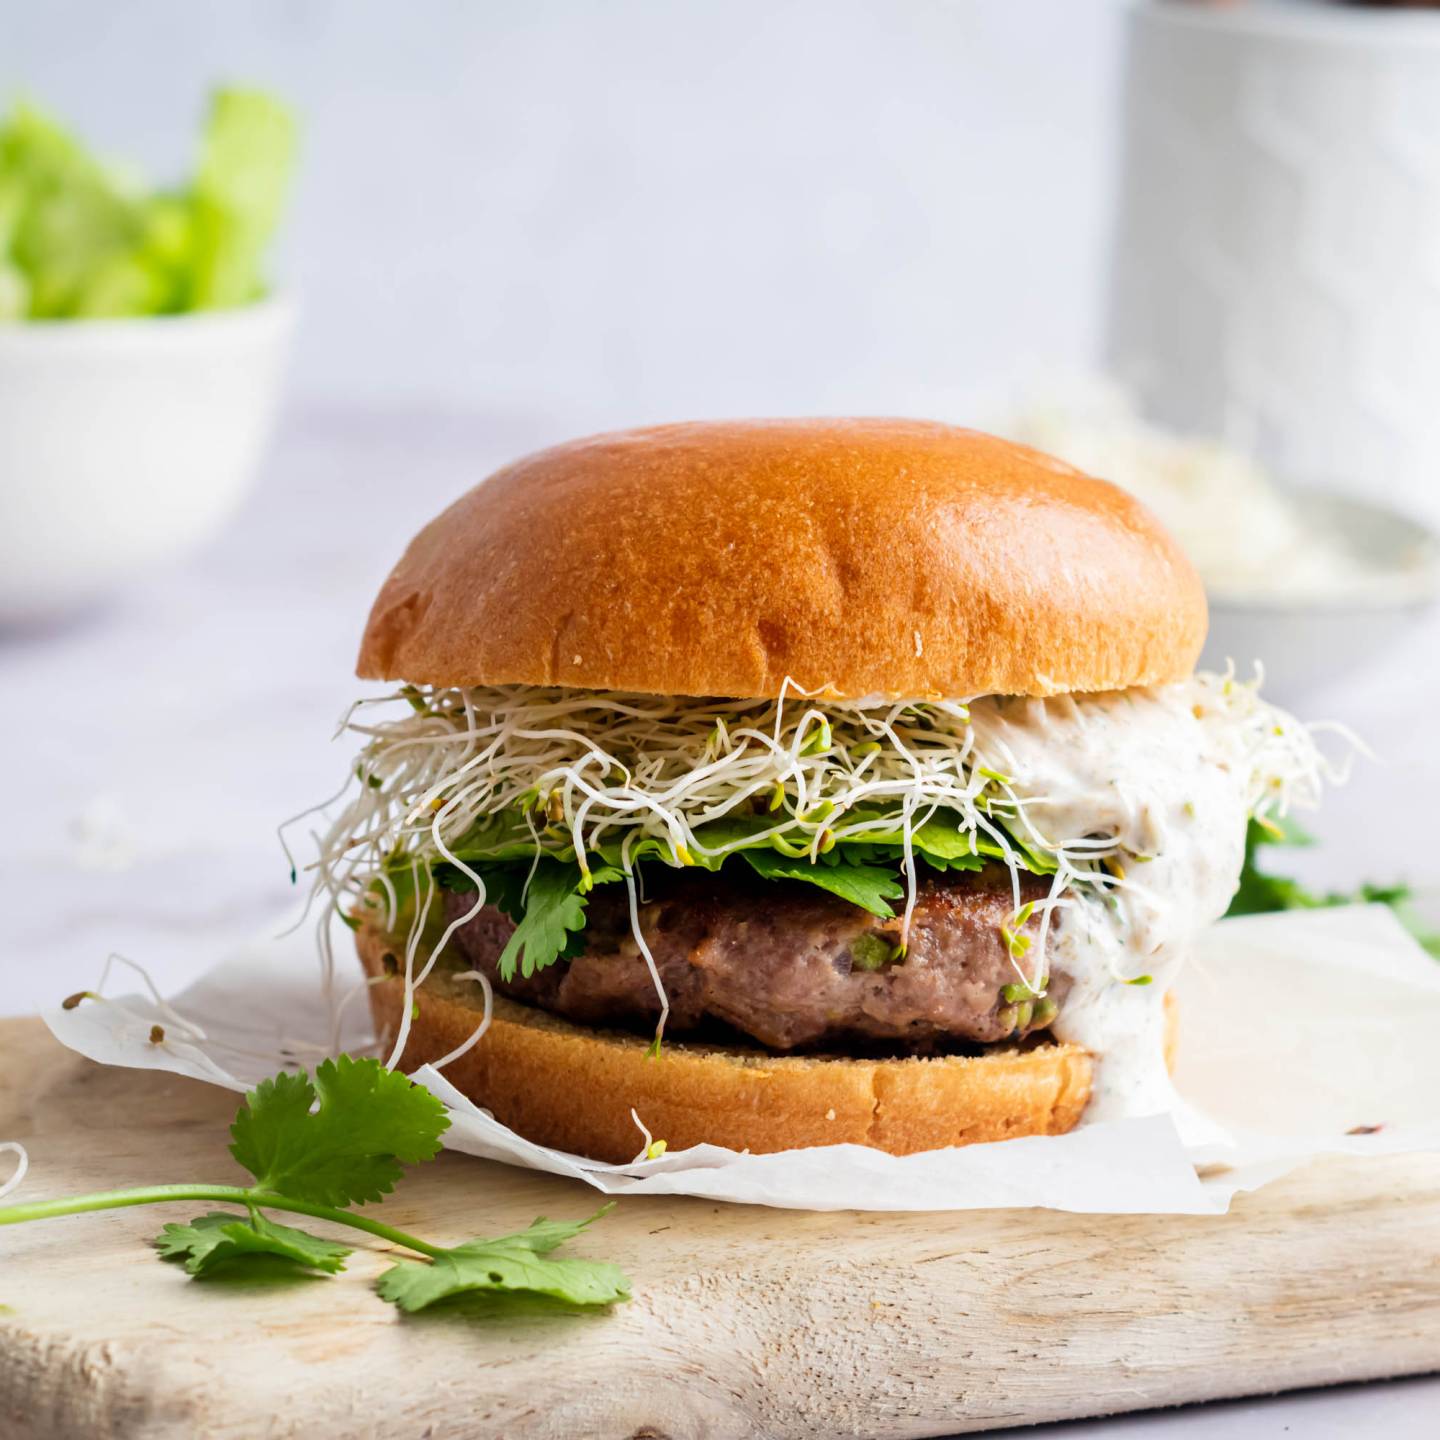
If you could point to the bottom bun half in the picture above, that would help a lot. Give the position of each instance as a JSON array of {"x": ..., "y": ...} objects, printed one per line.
[{"x": 573, "y": 1088}]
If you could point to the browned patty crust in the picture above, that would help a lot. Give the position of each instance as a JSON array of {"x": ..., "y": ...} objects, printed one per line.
[{"x": 786, "y": 964}]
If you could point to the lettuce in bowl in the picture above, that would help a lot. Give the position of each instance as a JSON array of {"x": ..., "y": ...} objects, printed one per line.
[{"x": 80, "y": 241}]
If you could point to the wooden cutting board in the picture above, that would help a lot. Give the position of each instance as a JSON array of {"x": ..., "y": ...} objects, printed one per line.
[{"x": 745, "y": 1322}]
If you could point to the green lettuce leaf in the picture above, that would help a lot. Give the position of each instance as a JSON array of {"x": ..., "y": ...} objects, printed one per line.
[
  {"x": 940, "y": 840},
  {"x": 79, "y": 241},
  {"x": 65, "y": 219},
  {"x": 247, "y": 156},
  {"x": 870, "y": 887},
  {"x": 865, "y": 869}
]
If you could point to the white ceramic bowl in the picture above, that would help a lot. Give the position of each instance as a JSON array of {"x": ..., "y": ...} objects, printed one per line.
[
  {"x": 1308, "y": 642},
  {"x": 124, "y": 443}
]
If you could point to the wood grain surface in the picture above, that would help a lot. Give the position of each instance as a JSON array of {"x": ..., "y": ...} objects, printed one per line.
[{"x": 745, "y": 1322}]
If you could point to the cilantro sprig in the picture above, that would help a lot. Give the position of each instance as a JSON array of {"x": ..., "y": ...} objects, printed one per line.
[
  {"x": 1261, "y": 891},
  {"x": 317, "y": 1146}
]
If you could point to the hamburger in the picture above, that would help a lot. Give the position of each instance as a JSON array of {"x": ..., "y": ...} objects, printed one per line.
[{"x": 790, "y": 783}]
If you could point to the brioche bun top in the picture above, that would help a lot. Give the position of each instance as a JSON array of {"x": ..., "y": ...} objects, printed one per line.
[{"x": 872, "y": 557}]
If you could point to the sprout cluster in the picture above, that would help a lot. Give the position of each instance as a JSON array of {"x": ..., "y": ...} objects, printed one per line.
[{"x": 592, "y": 768}]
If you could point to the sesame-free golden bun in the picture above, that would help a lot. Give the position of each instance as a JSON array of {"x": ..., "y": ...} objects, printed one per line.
[{"x": 872, "y": 557}]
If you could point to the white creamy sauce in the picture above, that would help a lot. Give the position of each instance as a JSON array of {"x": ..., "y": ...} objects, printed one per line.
[{"x": 1173, "y": 788}]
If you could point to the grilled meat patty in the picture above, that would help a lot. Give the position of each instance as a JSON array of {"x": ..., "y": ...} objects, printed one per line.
[{"x": 785, "y": 963}]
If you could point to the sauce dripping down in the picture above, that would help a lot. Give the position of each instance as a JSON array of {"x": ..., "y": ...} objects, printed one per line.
[{"x": 1160, "y": 782}]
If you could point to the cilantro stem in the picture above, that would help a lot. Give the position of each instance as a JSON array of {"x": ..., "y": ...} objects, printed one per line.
[
  {"x": 223, "y": 1194},
  {"x": 266, "y": 1201}
]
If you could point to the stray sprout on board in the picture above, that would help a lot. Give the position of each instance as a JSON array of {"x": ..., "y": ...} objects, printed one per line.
[
  {"x": 22, "y": 1164},
  {"x": 652, "y": 1149}
]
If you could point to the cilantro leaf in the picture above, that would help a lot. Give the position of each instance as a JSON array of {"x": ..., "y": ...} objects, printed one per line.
[
  {"x": 370, "y": 1123},
  {"x": 514, "y": 1264},
  {"x": 547, "y": 930},
  {"x": 1261, "y": 892},
  {"x": 366, "y": 1122},
  {"x": 548, "y": 907},
  {"x": 217, "y": 1239},
  {"x": 868, "y": 886},
  {"x": 505, "y": 887}
]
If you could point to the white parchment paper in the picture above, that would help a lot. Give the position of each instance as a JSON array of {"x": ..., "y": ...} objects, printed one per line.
[{"x": 1296, "y": 1030}]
